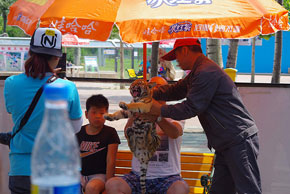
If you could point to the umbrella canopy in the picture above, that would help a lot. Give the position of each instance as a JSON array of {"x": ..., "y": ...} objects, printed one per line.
[
  {"x": 86, "y": 19},
  {"x": 152, "y": 20}
]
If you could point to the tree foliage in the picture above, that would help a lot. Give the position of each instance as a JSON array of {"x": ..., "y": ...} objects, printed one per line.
[
  {"x": 115, "y": 33},
  {"x": 11, "y": 30},
  {"x": 4, "y": 8},
  {"x": 5, "y": 4},
  {"x": 286, "y": 4}
]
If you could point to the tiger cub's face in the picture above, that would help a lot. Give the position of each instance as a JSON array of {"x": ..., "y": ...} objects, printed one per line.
[{"x": 141, "y": 89}]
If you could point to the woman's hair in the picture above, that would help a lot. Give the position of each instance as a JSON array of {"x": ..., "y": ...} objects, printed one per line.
[{"x": 37, "y": 65}]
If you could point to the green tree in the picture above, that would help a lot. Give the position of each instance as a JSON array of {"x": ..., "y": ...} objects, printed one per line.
[
  {"x": 12, "y": 31},
  {"x": 286, "y": 4},
  {"x": 214, "y": 51},
  {"x": 4, "y": 8},
  {"x": 115, "y": 33},
  {"x": 232, "y": 53},
  {"x": 278, "y": 46},
  {"x": 278, "y": 52},
  {"x": 154, "y": 59}
]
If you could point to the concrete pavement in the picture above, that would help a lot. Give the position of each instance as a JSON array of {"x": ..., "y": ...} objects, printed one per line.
[{"x": 262, "y": 78}]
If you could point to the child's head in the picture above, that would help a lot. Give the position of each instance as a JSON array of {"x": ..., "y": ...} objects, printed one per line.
[
  {"x": 98, "y": 101},
  {"x": 96, "y": 107}
]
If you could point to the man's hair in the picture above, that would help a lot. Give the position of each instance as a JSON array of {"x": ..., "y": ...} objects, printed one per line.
[
  {"x": 37, "y": 65},
  {"x": 195, "y": 48},
  {"x": 98, "y": 101},
  {"x": 192, "y": 48}
]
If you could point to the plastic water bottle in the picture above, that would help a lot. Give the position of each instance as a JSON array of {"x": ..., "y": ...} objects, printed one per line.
[{"x": 55, "y": 162}]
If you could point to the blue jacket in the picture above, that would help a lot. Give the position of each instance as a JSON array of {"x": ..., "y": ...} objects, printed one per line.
[{"x": 211, "y": 95}]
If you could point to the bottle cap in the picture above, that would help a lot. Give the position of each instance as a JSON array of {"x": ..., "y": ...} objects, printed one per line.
[{"x": 56, "y": 91}]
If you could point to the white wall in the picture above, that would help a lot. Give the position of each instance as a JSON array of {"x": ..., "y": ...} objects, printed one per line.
[{"x": 270, "y": 108}]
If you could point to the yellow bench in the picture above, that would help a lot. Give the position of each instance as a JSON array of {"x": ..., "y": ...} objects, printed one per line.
[
  {"x": 193, "y": 166},
  {"x": 132, "y": 74}
]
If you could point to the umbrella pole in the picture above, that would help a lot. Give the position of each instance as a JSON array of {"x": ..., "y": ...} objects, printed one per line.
[{"x": 144, "y": 61}]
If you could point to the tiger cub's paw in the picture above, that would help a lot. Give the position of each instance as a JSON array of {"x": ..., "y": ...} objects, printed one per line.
[
  {"x": 109, "y": 117},
  {"x": 123, "y": 106}
]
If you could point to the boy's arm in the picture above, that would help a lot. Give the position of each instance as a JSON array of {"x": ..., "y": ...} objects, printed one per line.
[
  {"x": 111, "y": 160},
  {"x": 171, "y": 128}
]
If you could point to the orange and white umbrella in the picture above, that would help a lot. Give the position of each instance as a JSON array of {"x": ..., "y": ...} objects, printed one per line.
[{"x": 152, "y": 20}]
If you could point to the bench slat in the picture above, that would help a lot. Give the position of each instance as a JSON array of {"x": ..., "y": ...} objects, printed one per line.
[
  {"x": 195, "y": 154},
  {"x": 123, "y": 163},
  {"x": 124, "y": 155},
  {"x": 196, "y": 159},
  {"x": 193, "y": 175},
  {"x": 196, "y": 167},
  {"x": 193, "y": 182},
  {"x": 195, "y": 190},
  {"x": 122, "y": 170}
]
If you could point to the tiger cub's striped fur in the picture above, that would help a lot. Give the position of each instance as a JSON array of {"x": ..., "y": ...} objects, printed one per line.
[{"x": 141, "y": 136}]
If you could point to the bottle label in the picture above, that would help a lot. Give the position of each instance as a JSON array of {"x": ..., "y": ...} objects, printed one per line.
[{"x": 70, "y": 189}]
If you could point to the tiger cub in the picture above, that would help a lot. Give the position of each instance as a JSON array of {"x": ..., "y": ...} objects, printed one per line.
[{"x": 142, "y": 138}]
